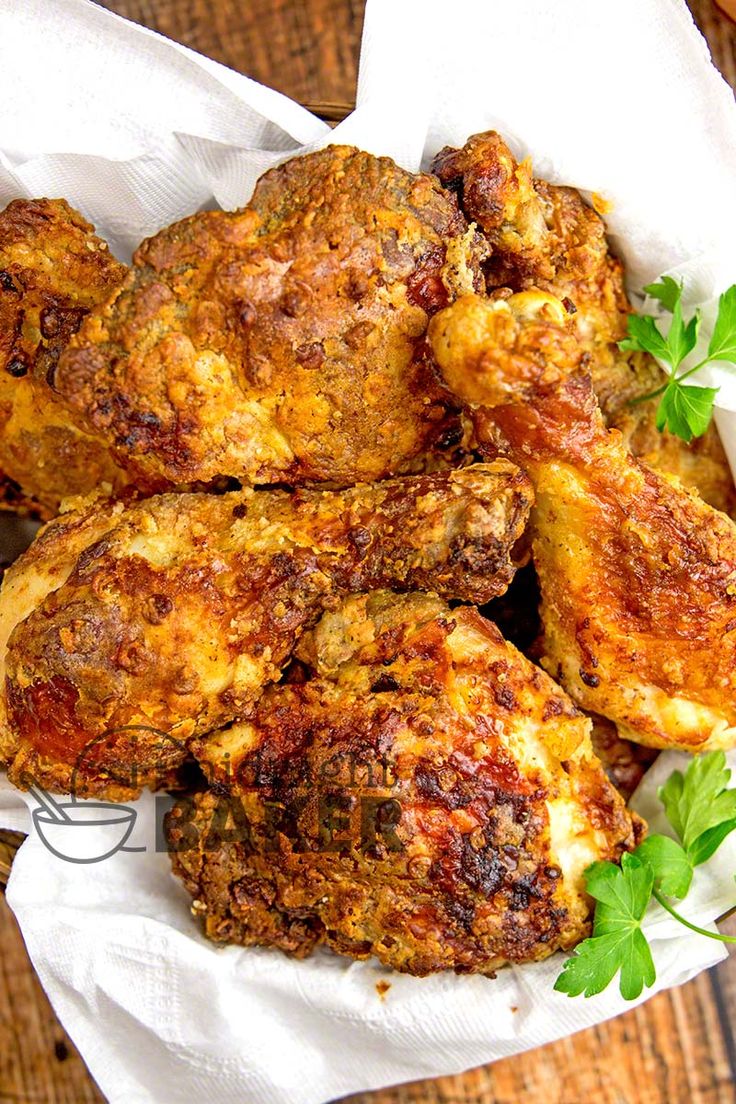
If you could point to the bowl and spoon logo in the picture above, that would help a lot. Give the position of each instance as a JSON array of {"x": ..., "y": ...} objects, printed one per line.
[
  {"x": 133, "y": 757},
  {"x": 64, "y": 827},
  {"x": 83, "y": 831}
]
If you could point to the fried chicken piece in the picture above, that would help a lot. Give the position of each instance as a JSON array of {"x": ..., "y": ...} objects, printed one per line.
[
  {"x": 500, "y": 195},
  {"x": 427, "y": 796},
  {"x": 544, "y": 236},
  {"x": 282, "y": 342},
  {"x": 516, "y": 615},
  {"x": 53, "y": 270},
  {"x": 172, "y": 613},
  {"x": 637, "y": 575}
]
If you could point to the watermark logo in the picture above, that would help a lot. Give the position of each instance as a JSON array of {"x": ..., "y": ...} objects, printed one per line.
[
  {"x": 64, "y": 827},
  {"x": 85, "y": 831},
  {"x": 349, "y": 803}
]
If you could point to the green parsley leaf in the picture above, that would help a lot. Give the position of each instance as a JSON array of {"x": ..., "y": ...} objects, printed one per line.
[
  {"x": 668, "y": 291},
  {"x": 669, "y": 863},
  {"x": 702, "y": 810},
  {"x": 622, "y": 893},
  {"x": 685, "y": 410},
  {"x": 682, "y": 337},
  {"x": 597, "y": 960},
  {"x": 699, "y": 806},
  {"x": 706, "y": 845},
  {"x": 644, "y": 336},
  {"x": 723, "y": 342},
  {"x": 617, "y": 943}
]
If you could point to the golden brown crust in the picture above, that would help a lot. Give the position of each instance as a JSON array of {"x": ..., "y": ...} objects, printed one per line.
[
  {"x": 282, "y": 342},
  {"x": 638, "y": 576},
  {"x": 53, "y": 270},
  {"x": 428, "y": 796},
  {"x": 179, "y": 609},
  {"x": 499, "y": 195},
  {"x": 547, "y": 238}
]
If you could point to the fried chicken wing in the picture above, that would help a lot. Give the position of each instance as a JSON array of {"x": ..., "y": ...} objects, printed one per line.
[
  {"x": 281, "y": 343},
  {"x": 174, "y": 612},
  {"x": 427, "y": 796},
  {"x": 637, "y": 575},
  {"x": 546, "y": 237},
  {"x": 53, "y": 270}
]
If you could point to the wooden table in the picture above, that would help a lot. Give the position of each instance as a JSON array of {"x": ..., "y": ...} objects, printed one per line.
[{"x": 679, "y": 1048}]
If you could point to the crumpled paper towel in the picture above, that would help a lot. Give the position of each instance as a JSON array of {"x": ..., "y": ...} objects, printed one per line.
[
  {"x": 134, "y": 130},
  {"x": 614, "y": 97}
]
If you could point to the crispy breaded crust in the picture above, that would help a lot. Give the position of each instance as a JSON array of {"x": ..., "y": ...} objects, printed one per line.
[
  {"x": 174, "y": 612},
  {"x": 546, "y": 237},
  {"x": 637, "y": 574},
  {"x": 427, "y": 796},
  {"x": 53, "y": 270},
  {"x": 282, "y": 342}
]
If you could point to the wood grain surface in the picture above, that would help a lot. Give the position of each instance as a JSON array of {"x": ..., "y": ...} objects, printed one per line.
[{"x": 680, "y": 1047}]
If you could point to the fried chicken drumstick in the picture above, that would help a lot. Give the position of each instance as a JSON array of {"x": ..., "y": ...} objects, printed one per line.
[
  {"x": 427, "y": 796},
  {"x": 173, "y": 613},
  {"x": 546, "y": 237},
  {"x": 637, "y": 574},
  {"x": 53, "y": 270},
  {"x": 281, "y": 343}
]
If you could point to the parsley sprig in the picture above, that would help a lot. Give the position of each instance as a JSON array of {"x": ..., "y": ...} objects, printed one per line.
[
  {"x": 702, "y": 812},
  {"x": 684, "y": 409}
]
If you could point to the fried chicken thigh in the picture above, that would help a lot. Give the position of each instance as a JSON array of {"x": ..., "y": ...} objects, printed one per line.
[
  {"x": 637, "y": 574},
  {"x": 53, "y": 270},
  {"x": 282, "y": 342},
  {"x": 171, "y": 614},
  {"x": 546, "y": 237},
  {"x": 427, "y": 795}
]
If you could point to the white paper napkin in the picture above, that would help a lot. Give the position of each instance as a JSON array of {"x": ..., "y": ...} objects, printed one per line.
[
  {"x": 613, "y": 97},
  {"x": 134, "y": 130}
]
